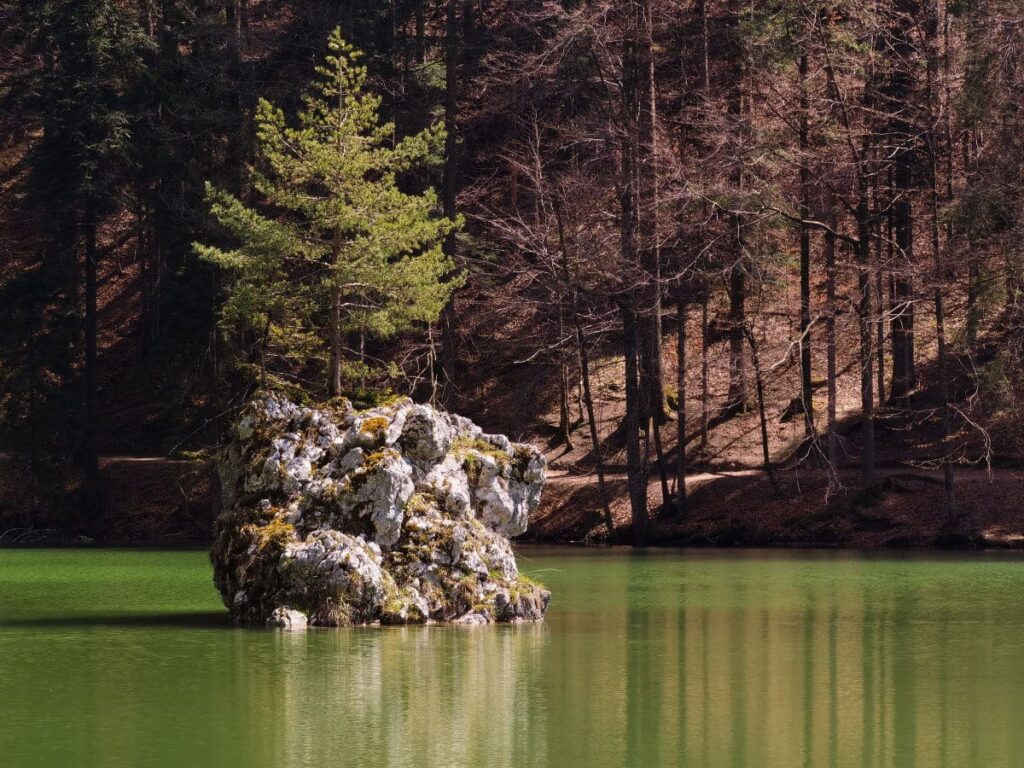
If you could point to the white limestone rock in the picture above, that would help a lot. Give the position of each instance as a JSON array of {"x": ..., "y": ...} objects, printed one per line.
[
  {"x": 396, "y": 514},
  {"x": 447, "y": 482},
  {"x": 287, "y": 618},
  {"x": 426, "y": 435}
]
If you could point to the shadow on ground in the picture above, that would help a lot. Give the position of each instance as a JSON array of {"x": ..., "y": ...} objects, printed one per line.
[{"x": 203, "y": 620}]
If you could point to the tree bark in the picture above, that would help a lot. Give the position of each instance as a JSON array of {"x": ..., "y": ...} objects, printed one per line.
[
  {"x": 564, "y": 417},
  {"x": 904, "y": 161},
  {"x": 832, "y": 448},
  {"x": 643, "y": 107},
  {"x": 879, "y": 295},
  {"x": 636, "y": 462},
  {"x": 762, "y": 416},
  {"x": 448, "y": 320},
  {"x": 937, "y": 256},
  {"x": 639, "y": 307},
  {"x": 588, "y": 400},
  {"x": 864, "y": 319},
  {"x": 421, "y": 33},
  {"x": 737, "y": 398},
  {"x": 334, "y": 323},
  {"x": 92, "y": 496},
  {"x": 334, "y": 369},
  {"x": 705, "y": 391},
  {"x": 806, "y": 389},
  {"x": 681, "y": 400}
]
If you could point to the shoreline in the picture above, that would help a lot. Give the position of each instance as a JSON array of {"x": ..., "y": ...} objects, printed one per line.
[
  {"x": 172, "y": 504},
  {"x": 532, "y": 543}
]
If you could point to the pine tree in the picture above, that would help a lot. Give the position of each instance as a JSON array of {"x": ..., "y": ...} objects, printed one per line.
[
  {"x": 86, "y": 62},
  {"x": 335, "y": 234}
]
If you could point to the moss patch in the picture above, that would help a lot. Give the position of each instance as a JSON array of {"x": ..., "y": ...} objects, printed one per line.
[
  {"x": 276, "y": 533},
  {"x": 462, "y": 445},
  {"x": 420, "y": 504},
  {"x": 472, "y": 449},
  {"x": 375, "y": 425}
]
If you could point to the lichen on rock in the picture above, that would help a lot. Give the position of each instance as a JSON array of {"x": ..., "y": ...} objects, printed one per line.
[{"x": 399, "y": 514}]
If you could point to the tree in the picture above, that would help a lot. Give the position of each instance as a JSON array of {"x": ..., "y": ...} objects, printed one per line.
[
  {"x": 335, "y": 233},
  {"x": 899, "y": 95},
  {"x": 89, "y": 54}
]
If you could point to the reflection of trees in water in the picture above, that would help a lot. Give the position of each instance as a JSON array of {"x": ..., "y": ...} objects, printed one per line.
[
  {"x": 789, "y": 664},
  {"x": 416, "y": 696},
  {"x": 820, "y": 672},
  {"x": 685, "y": 660},
  {"x": 701, "y": 664}
]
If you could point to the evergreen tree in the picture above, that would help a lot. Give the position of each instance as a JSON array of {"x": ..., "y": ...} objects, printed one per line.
[
  {"x": 87, "y": 56},
  {"x": 334, "y": 234}
]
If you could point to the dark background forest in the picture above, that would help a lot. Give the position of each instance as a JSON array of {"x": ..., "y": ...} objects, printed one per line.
[{"x": 749, "y": 271}]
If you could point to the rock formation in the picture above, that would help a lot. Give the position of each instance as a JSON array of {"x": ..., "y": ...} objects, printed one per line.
[{"x": 398, "y": 514}]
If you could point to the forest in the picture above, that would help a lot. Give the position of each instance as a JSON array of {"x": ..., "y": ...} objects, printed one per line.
[
  {"x": 512, "y": 383},
  {"x": 747, "y": 272}
]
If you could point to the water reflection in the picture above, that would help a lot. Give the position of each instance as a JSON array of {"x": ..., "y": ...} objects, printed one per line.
[
  {"x": 788, "y": 662},
  {"x": 769, "y": 661},
  {"x": 415, "y": 696},
  {"x": 660, "y": 661}
]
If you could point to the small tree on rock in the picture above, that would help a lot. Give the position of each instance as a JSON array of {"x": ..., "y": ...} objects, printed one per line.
[{"x": 335, "y": 246}]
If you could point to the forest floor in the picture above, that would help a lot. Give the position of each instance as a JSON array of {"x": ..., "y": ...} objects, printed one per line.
[
  {"x": 730, "y": 499},
  {"x": 740, "y": 508},
  {"x": 159, "y": 500}
]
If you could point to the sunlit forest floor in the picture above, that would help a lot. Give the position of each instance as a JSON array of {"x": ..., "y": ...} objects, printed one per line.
[{"x": 731, "y": 500}]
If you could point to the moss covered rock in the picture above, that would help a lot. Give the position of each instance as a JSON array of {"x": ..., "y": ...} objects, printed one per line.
[{"x": 399, "y": 514}]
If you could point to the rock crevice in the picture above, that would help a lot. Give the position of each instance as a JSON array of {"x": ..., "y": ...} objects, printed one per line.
[{"x": 399, "y": 514}]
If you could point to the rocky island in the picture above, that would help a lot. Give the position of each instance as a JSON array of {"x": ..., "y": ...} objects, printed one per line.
[{"x": 397, "y": 514}]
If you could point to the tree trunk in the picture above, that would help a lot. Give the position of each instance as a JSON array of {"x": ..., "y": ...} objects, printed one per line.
[
  {"x": 705, "y": 395},
  {"x": 762, "y": 417},
  {"x": 879, "y": 296},
  {"x": 904, "y": 160},
  {"x": 973, "y": 296},
  {"x": 641, "y": 102},
  {"x": 705, "y": 391},
  {"x": 937, "y": 256},
  {"x": 864, "y": 320},
  {"x": 421, "y": 33},
  {"x": 830, "y": 341},
  {"x": 737, "y": 399},
  {"x": 806, "y": 390},
  {"x": 636, "y": 308},
  {"x": 659, "y": 453},
  {"x": 681, "y": 400},
  {"x": 564, "y": 417},
  {"x": 903, "y": 310},
  {"x": 880, "y": 327},
  {"x": 334, "y": 324},
  {"x": 92, "y": 496},
  {"x": 588, "y": 399},
  {"x": 636, "y": 463},
  {"x": 334, "y": 369},
  {"x": 940, "y": 331},
  {"x": 448, "y": 321}
]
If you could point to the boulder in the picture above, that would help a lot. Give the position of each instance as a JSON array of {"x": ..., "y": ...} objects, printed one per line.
[{"x": 398, "y": 514}]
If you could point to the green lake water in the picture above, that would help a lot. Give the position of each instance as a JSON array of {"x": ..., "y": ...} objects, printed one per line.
[{"x": 760, "y": 659}]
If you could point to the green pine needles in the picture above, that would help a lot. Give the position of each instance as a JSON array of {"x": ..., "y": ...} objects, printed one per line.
[{"x": 335, "y": 248}]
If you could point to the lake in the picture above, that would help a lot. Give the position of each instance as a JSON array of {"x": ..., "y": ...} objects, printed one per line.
[{"x": 696, "y": 658}]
